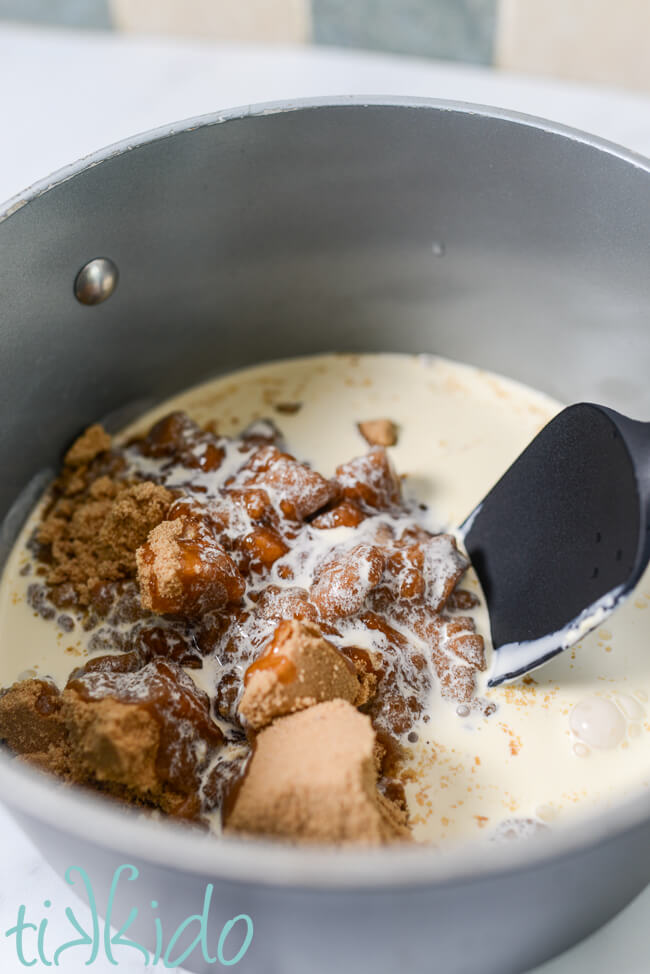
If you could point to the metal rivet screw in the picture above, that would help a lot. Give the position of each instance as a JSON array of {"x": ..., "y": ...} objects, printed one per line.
[{"x": 96, "y": 281}]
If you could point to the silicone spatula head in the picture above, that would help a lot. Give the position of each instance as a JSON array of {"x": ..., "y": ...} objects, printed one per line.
[{"x": 564, "y": 536}]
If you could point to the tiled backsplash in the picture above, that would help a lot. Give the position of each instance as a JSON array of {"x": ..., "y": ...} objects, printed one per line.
[
  {"x": 462, "y": 30},
  {"x": 590, "y": 40}
]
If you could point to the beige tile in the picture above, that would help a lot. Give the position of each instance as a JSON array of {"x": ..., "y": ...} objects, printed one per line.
[
  {"x": 272, "y": 21},
  {"x": 590, "y": 40}
]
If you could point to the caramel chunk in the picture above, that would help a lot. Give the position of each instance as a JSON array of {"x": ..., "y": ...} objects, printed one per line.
[
  {"x": 91, "y": 443},
  {"x": 188, "y": 543},
  {"x": 463, "y": 641},
  {"x": 276, "y": 604},
  {"x": 379, "y": 432},
  {"x": 297, "y": 669},
  {"x": 344, "y": 582},
  {"x": 312, "y": 777},
  {"x": 345, "y": 514},
  {"x": 370, "y": 480},
  {"x": 264, "y": 546},
  {"x": 183, "y": 570},
  {"x": 177, "y": 438},
  {"x": 462, "y": 600},
  {"x": 442, "y": 567},
  {"x": 300, "y": 491},
  {"x": 429, "y": 569}
]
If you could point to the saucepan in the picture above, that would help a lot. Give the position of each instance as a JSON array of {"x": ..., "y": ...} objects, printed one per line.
[{"x": 354, "y": 225}]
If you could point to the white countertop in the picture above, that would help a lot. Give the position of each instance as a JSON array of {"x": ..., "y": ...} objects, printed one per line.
[{"x": 65, "y": 94}]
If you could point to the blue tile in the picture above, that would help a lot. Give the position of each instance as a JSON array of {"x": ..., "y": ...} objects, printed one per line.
[
  {"x": 64, "y": 13},
  {"x": 461, "y": 30}
]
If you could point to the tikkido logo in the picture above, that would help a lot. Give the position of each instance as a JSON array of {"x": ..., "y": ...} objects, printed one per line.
[{"x": 32, "y": 940}]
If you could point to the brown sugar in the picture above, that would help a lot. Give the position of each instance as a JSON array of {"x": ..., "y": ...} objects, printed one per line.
[
  {"x": 92, "y": 537},
  {"x": 296, "y": 670},
  {"x": 378, "y": 432},
  {"x": 112, "y": 742},
  {"x": 312, "y": 777},
  {"x": 143, "y": 735},
  {"x": 32, "y": 725},
  {"x": 329, "y": 593},
  {"x": 90, "y": 444}
]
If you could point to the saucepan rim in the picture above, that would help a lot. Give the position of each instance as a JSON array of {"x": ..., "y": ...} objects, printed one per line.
[{"x": 271, "y": 863}]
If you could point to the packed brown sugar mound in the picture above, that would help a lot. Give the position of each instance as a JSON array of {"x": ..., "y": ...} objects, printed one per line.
[
  {"x": 184, "y": 551},
  {"x": 140, "y": 734},
  {"x": 297, "y": 669},
  {"x": 313, "y": 777},
  {"x": 95, "y": 521}
]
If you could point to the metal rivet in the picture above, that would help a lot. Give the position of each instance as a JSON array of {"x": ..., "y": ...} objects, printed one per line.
[{"x": 96, "y": 281}]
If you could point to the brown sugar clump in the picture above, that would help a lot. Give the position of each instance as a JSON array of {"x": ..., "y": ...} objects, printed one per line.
[
  {"x": 182, "y": 569},
  {"x": 148, "y": 731},
  {"x": 92, "y": 538},
  {"x": 32, "y": 725},
  {"x": 134, "y": 513},
  {"x": 297, "y": 669},
  {"x": 378, "y": 432},
  {"x": 313, "y": 778},
  {"x": 242, "y": 518},
  {"x": 143, "y": 735},
  {"x": 113, "y": 742},
  {"x": 90, "y": 444}
]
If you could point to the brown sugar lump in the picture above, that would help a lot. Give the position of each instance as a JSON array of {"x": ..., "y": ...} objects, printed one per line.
[
  {"x": 345, "y": 580},
  {"x": 297, "y": 669},
  {"x": 32, "y": 725},
  {"x": 148, "y": 731},
  {"x": 182, "y": 569},
  {"x": 378, "y": 432},
  {"x": 92, "y": 538},
  {"x": 90, "y": 444},
  {"x": 134, "y": 513},
  {"x": 298, "y": 490},
  {"x": 370, "y": 480},
  {"x": 312, "y": 777}
]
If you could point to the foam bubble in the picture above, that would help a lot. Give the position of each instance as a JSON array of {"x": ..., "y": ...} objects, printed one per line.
[{"x": 597, "y": 722}]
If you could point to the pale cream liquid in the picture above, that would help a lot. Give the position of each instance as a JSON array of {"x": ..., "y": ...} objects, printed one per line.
[{"x": 460, "y": 428}]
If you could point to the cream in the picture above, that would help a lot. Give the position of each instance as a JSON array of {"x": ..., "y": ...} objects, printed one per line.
[{"x": 569, "y": 739}]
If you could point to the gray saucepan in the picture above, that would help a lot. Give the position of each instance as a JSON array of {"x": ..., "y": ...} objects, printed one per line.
[{"x": 353, "y": 225}]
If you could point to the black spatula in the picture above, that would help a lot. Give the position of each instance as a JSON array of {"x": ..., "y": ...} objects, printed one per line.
[{"x": 564, "y": 536}]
